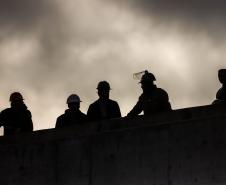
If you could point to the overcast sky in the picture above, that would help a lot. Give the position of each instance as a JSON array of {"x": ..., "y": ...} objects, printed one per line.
[{"x": 52, "y": 48}]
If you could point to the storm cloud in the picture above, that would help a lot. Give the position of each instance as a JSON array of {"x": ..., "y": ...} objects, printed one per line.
[
  {"x": 49, "y": 49},
  {"x": 203, "y": 11}
]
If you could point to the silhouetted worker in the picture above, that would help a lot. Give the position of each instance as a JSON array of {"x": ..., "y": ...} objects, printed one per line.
[
  {"x": 221, "y": 94},
  {"x": 153, "y": 100},
  {"x": 73, "y": 115},
  {"x": 17, "y": 118},
  {"x": 103, "y": 108}
]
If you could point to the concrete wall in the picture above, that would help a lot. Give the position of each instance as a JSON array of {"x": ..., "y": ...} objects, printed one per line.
[{"x": 184, "y": 147}]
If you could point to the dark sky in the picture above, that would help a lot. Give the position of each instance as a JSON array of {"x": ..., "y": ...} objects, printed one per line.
[{"x": 50, "y": 49}]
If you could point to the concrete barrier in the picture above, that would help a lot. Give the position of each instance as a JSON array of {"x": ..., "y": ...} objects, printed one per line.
[{"x": 183, "y": 147}]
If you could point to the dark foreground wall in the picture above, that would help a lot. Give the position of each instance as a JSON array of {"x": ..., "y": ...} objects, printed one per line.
[{"x": 184, "y": 147}]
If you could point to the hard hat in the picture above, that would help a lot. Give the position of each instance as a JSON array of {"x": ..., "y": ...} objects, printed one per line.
[
  {"x": 16, "y": 96},
  {"x": 147, "y": 77},
  {"x": 73, "y": 98},
  {"x": 103, "y": 85}
]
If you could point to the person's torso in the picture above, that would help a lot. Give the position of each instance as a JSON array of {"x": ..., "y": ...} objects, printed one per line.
[
  {"x": 154, "y": 102},
  {"x": 104, "y": 109},
  {"x": 15, "y": 121},
  {"x": 221, "y": 94},
  {"x": 72, "y": 118}
]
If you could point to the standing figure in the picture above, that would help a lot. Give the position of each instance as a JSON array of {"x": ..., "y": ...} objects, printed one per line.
[
  {"x": 17, "y": 118},
  {"x": 103, "y": 108},
  {"x": 73, "y": 115},
  {"x": 221, "y": 94},
  {"x": 153, "y": 100}
]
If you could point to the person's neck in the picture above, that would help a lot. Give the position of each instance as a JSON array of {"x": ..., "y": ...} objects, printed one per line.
[
  {"x": 103, "y": 99},
  {"x": 73, "y": 109},
  {"x": 18, "y": 106},
  {"x": 149, "y": 90}
]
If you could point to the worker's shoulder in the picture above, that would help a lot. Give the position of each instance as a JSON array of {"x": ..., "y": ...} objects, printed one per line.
[
  {"x": 113, "y": 102},
  {"x": 95, "y": 103},
  {"x": 80, "y": 113},
  {"x": 6, "y": 111},
  {"x": 161, "y": 91},
  {"x": 61, "y": 118},
  {"x": 221, "y": 93}
]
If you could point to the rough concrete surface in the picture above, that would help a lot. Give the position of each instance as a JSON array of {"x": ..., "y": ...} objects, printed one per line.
[{"x": 183, "y": 147}]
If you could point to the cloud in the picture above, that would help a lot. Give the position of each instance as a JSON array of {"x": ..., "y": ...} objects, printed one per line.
[
  {"x": 197, "y": 10},
  {"x": 204, "y": 16},
  {"x": 190, "y": 43},
  {"x": 24, "y": 14},
  {"x": 50, "y": 49}
]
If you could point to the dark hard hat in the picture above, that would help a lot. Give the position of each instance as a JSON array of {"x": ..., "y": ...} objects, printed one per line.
[
  {"x": 103, "y": 85},
  {"x": 16, "y": 96},
  {"x": 73, "y": 98},
  {"x": 222, "y": 75},
  {"x": 147, "y": 77}
]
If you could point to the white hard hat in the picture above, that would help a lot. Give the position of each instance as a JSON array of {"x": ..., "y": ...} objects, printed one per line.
[{"x": 73, "y": 98}]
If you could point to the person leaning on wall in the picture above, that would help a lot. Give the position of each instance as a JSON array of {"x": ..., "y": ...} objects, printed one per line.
[
  {"x": 17, "y": 118},
  {"x": 153, "y": 100}
]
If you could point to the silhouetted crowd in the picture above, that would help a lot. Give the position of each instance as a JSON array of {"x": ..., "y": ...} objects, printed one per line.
[{"x": 153, "y": 100}]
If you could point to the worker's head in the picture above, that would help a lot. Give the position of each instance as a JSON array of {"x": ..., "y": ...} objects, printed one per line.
[
  {"x": 222, "y": 76},
  {"x": 16, "y": 99},
  {"x": 103, "y": 88},
  {"x": 16, "y": 96},
  {"x": 73, "y": 102},
  {"x": 147, "y": 81}
]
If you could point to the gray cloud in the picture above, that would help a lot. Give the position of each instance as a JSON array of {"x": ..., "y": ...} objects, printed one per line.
[
  {"x": 196, "y": 10},
  {"x": 49, "y": 49},
  {"x": 24, "y": 14},
  {"x": 199, "y": 27},
  {"x": 205, "y": 16}
]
